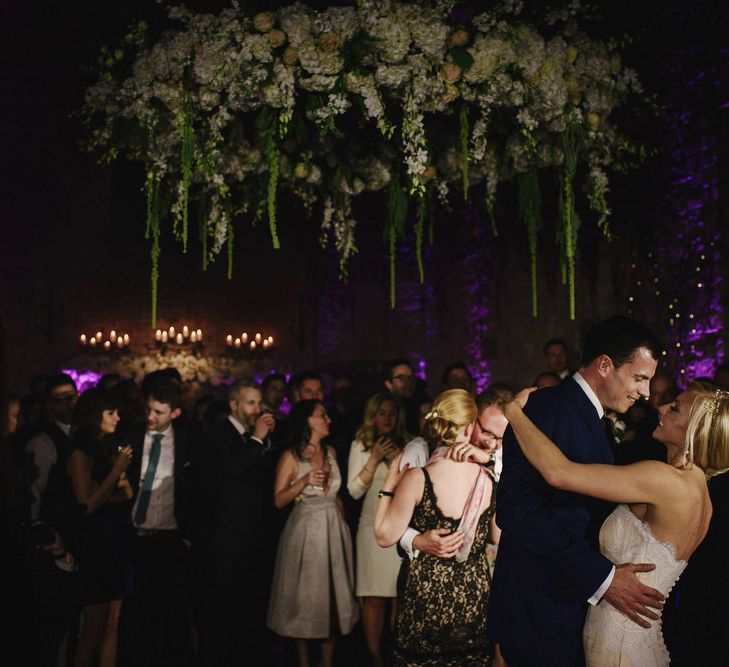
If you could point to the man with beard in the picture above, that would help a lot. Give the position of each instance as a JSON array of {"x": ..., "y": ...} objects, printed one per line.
[{"x": 236, "y": 544}]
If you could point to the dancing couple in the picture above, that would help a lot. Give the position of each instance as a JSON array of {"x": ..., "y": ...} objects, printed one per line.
[{"x": 550, "y": 507}]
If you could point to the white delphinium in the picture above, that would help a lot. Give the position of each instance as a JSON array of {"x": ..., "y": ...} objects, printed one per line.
[{"x": 414, "y": 144}]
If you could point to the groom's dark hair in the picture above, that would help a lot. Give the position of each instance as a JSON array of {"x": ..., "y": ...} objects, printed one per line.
[{"x": 618, "y": 337}]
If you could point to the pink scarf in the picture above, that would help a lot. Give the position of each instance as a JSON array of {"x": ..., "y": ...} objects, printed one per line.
[{"x": 471, "y": 513}]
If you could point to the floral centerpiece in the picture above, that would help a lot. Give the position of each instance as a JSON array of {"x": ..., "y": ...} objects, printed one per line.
[{"x": 408, "y": 98}]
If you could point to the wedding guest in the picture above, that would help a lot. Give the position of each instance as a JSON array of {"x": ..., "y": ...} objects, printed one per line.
[
  {"x": 456, "y": 376},
  {"x": 306, "y": 385},
  {"x": 312, "y": 597},
  {"x": 54, "y": 502},
  {"x": 425, "y": 404},
  {"x": 10, "y": 415},
  {"x": 663, "y": 389},
  {"x": 273, "y": 390},
  {"x": 443, "y": 603},
  {"x": 236, "y": 488},
  {"x": 546, "y": 379},
  {"x": 377, "y": 442},
  {"x": 155, "y": 617},
  {"x": 102, "y": 492},
  {"x": 555, "y": 357},
  {"x": 400, "y": 381},
  {"x": 665, "y": 521}
]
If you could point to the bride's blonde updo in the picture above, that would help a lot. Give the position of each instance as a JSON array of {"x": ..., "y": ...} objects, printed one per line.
[
  {"x": 451, "y": 411},
  {"x": 707, "y": 434}
]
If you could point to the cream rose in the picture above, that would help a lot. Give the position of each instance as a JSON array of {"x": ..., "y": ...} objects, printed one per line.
[
  {"x": 459, "y": 38},
  {"x": 290, "y": 55},
  {"x": 328, "y": 41},
  {"x": 450, "y": 72},
  {"x": 276, "y": 38},
  {"x": 263, "y": 21}
]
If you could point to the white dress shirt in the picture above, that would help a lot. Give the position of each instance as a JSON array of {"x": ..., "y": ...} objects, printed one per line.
[
  {"x": 161, "y": 509},
  {"x": 45, "y": 457},
  {"x": 597, "y": 595}
]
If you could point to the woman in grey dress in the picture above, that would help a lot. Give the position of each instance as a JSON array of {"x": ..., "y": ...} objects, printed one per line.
[{"x": 312, "y": 596}]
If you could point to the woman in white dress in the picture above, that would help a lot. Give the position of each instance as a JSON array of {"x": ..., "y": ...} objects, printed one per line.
[
  {"x": 666, "y": 516},
  {"x": 377, "y": 442}
]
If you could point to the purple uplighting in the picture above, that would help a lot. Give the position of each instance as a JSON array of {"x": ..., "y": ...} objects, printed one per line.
[{"x": 84, "y": 379}]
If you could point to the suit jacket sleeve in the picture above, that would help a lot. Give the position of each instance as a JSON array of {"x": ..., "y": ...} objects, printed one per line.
[{"x": 524, "y": 508}]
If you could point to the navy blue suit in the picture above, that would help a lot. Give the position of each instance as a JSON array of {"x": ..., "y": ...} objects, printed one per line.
[{"x": 548, "y": 564}]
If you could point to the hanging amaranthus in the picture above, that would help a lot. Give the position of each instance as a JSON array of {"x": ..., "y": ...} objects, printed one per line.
[
  {"x": 151, "y": 188},
  {"x": 464, "y": 138},
  {"x": 568, "y": 219},
  {"x": 419, "y": 234},
  {"x": 397, "y": 209},
  {"x": 530, "y": 204}
]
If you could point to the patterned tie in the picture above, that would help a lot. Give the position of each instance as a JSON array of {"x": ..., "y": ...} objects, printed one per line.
[{"x": 141, "y": 514}]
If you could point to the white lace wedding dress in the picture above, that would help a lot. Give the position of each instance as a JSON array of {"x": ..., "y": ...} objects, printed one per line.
[{"x": 611, "y": 639}]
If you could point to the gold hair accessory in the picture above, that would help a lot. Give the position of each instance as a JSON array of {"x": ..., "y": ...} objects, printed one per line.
[
  {"x": 713, "y": 407},
  {"x": 431, "y": 415}
]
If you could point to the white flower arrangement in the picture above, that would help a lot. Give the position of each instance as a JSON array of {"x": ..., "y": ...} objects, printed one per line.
[{"x": 400, "y": 66}]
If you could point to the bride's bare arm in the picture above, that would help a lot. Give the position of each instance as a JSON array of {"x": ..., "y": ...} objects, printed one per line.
[{"x": 644, "y": 482}]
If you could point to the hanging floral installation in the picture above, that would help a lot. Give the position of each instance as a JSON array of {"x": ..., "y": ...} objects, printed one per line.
[{"x": 229, "y": 111}]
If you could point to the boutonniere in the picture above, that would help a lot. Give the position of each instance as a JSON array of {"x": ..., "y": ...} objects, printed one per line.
[{"x": 618, "y": 428}]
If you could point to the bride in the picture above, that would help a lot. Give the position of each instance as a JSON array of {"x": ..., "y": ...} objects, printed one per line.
[{"x": 665, "y": 516}]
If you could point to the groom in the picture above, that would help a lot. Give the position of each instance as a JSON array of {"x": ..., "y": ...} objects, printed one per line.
[{"x": 548, "y": 568}]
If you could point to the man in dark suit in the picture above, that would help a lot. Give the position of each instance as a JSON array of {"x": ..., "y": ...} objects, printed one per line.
[
  {"x": 548, "y": 568},
  {"x": 155, "y": 627},
  {"x": 237, "y": 551}
]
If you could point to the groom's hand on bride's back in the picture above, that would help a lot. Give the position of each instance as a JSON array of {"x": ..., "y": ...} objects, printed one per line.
[{"x": 631, "y": 597}]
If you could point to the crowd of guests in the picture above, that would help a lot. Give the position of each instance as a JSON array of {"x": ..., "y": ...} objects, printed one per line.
[{"x": 148, "y": 531}]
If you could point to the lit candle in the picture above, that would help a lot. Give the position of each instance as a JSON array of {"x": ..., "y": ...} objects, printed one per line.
[
  {"x": 237, "y": 343},
  {"x": 179, "y": 339},
  {"x": 98, "y": 335},
  {"x": 185, "y": 331},
  {"x": 253, "y": 345},
  {"x": 92, "y": 342},
  {"x": 270, "y": 340},
  {"x": 229, "y": 340},
  {"x": 126, "y": 340},
  {"x": 112, "y": 336},
  {"x": 258, "y": 338},
  {"x": 193, "y": 337},
  {"x": 82, "y": 339},
  {"x": 158, "y": 335},
  {"x": 172, "y": 332},
  {"x": 265, "y": 343},
  {"x": 164, "y": 337},
  {"x": 120, "y": 342},
  {"x": 107, "y": 345},
  {"x": 244, "y": 337},
  {"x": 199, "y": 334}
]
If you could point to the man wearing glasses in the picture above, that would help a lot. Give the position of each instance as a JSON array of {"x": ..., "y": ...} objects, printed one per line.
[
  {"x": 488, "y": 433},
  {"x": 53, "y": 501},
  {"x": 400, "y": 380}
]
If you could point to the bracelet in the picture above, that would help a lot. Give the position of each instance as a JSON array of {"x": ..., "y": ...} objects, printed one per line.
[{"x": 389, "y": 494}]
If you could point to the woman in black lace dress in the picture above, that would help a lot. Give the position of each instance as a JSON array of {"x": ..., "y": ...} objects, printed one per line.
[{"x": 442, "y": 603}]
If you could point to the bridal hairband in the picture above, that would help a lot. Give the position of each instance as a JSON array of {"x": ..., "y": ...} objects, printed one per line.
[{"x": 713, "y": 407}]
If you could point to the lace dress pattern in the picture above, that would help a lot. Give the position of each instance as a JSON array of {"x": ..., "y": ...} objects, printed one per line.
[
  {"x": 443, "y": 604},
  {"x": 611, "y": 639}
]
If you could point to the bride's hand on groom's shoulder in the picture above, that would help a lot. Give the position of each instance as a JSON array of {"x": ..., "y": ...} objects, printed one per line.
[{"x": 518, "y": 402}]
